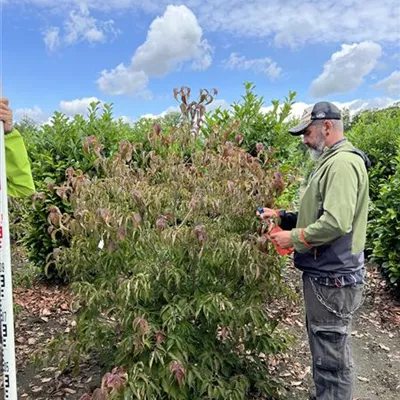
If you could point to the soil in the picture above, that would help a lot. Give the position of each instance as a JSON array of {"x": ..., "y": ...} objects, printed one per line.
[
  {"x": 375, "y": 340},
  {"x": 42, "y": 312}
]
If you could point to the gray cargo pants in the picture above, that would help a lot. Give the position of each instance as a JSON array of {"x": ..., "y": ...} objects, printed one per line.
[{"x": 329, "y": 337}]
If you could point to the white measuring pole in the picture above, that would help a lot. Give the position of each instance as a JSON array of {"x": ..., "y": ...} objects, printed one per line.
[{"x": 6, "y": 294}]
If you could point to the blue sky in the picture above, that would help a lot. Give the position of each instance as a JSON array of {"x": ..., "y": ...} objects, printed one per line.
[{"x": 60, "y": 55}]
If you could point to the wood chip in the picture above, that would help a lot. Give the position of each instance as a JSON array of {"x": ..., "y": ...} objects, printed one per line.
[
  {"x": 382, "y": 346},
  {"x": 68, "y": 390}
]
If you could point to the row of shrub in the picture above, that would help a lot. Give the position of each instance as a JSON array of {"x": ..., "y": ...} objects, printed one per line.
[
  {"x": 76, "y": 143},
  {"x": 378, "y": 134},
  {"x": 79, "y": 142},
  {"x": 154, "y": 225},
  {"x": 54, "y": 149}
]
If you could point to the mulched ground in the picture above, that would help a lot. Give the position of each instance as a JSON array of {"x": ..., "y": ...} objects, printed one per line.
[{"x": 42, "y": 312}]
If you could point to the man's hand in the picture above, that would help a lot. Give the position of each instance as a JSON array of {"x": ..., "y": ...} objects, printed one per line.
[
  {"x": 268, "y": 213},
  {"x": 282, "y": 239},
  {"x": 6, "y": 115}
]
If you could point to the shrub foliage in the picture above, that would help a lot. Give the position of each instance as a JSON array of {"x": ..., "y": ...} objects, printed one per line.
[{"x": 173, "y": 280}]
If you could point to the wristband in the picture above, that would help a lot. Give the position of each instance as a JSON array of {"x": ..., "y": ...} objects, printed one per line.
[{"x": 303, "y": 239}]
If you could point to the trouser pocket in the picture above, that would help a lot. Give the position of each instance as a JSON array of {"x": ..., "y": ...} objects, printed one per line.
[{"x": 330, "y": 347}]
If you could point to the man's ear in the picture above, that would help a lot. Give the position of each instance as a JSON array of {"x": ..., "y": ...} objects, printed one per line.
[{"x": 328, "y": 127}]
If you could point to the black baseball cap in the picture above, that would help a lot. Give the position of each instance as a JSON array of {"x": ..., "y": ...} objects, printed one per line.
[{"x": 319, "y": 111}]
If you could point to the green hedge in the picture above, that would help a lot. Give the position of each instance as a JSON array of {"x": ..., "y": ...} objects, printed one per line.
[
  {"x": 70, "y": 146},
  {"x": 377, "y": 133},
  {"x": 385, "y": 230},
  {"x": 57, "y": 150}
]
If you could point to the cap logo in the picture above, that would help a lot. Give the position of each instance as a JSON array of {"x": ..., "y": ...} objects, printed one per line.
[{"x": 320, "y": 115}]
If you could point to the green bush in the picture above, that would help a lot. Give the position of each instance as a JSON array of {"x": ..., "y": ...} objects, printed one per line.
[
  {"x": 377, "y": 133},
  {"x": 173, "y": 282},
  {"x": 249, "y": 125},
  {"x": 254, "y": 126},
  {"x": 56, "y": 150},
  {"x": 386, "y": 229},
  {"x": 67, "y": 146}
]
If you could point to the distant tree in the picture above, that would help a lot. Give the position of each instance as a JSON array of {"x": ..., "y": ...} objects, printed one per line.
[{"x": 346, "y": 118}]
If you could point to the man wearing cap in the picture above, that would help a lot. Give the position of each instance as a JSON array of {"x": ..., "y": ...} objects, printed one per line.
[{"x": 328, "y": 235}]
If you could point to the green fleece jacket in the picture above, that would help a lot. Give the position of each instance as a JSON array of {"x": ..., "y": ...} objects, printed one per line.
[
  {"x": 18, "y": 169},
  {"x": 329, "y": 237}
]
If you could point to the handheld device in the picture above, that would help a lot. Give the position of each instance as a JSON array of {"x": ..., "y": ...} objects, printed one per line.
[{"x": 273, "y": 228}]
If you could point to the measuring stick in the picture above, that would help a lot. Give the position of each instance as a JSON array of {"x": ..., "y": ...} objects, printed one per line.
[{"x": 6, "y": 294}]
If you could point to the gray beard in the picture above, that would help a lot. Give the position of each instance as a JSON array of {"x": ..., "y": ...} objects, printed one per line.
[{"x": 315, "y": 154}]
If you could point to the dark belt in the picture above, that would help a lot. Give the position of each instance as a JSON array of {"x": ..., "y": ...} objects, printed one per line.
[{"x": 357, "y": 278}]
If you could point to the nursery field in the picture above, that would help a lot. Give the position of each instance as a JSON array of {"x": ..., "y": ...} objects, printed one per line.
[{"x": 141, "y": 270}]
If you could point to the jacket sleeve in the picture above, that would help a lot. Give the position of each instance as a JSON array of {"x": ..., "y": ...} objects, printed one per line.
[
  {"x": 18, "y": 169},
  {"x": 339, "y": 195}
]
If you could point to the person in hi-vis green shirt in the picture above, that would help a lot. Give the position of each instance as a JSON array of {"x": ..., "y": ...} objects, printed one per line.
[{"x": 18, "y": 169}]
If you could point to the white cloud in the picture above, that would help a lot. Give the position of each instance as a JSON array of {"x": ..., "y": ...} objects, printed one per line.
[
  {"x": 354, "y": 106},
  {"x": 52, "y": 38},
  {"x": 223, "y": 104},
  {"x": 151, "y": 116},
  {"x": 123, "y": 80},
  {"x": 290, "y": 23},
  {"x": 296, "y": 111},
  {"x": 36, "y": 114},
  {"x": 358, "y": 105},
  {"x": 346, "y": 69},
  {"x": 78, "y": 106},
  {"x": 259, "y": 65},
  {"x": 169, "y": 110},
  {"x": 390, "y": 84},
  {"x": 172, "y": 39},
  {"x": 175, "y": 109},
  {"x": 298, "y": 107},
  {"x": 69, "y": 108},
  {"x": 126, "y": 119},
  {"x": 204, "y": 58},
  {"x": 80, "y": 26},
  {"x": 286, "y": 23}
]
